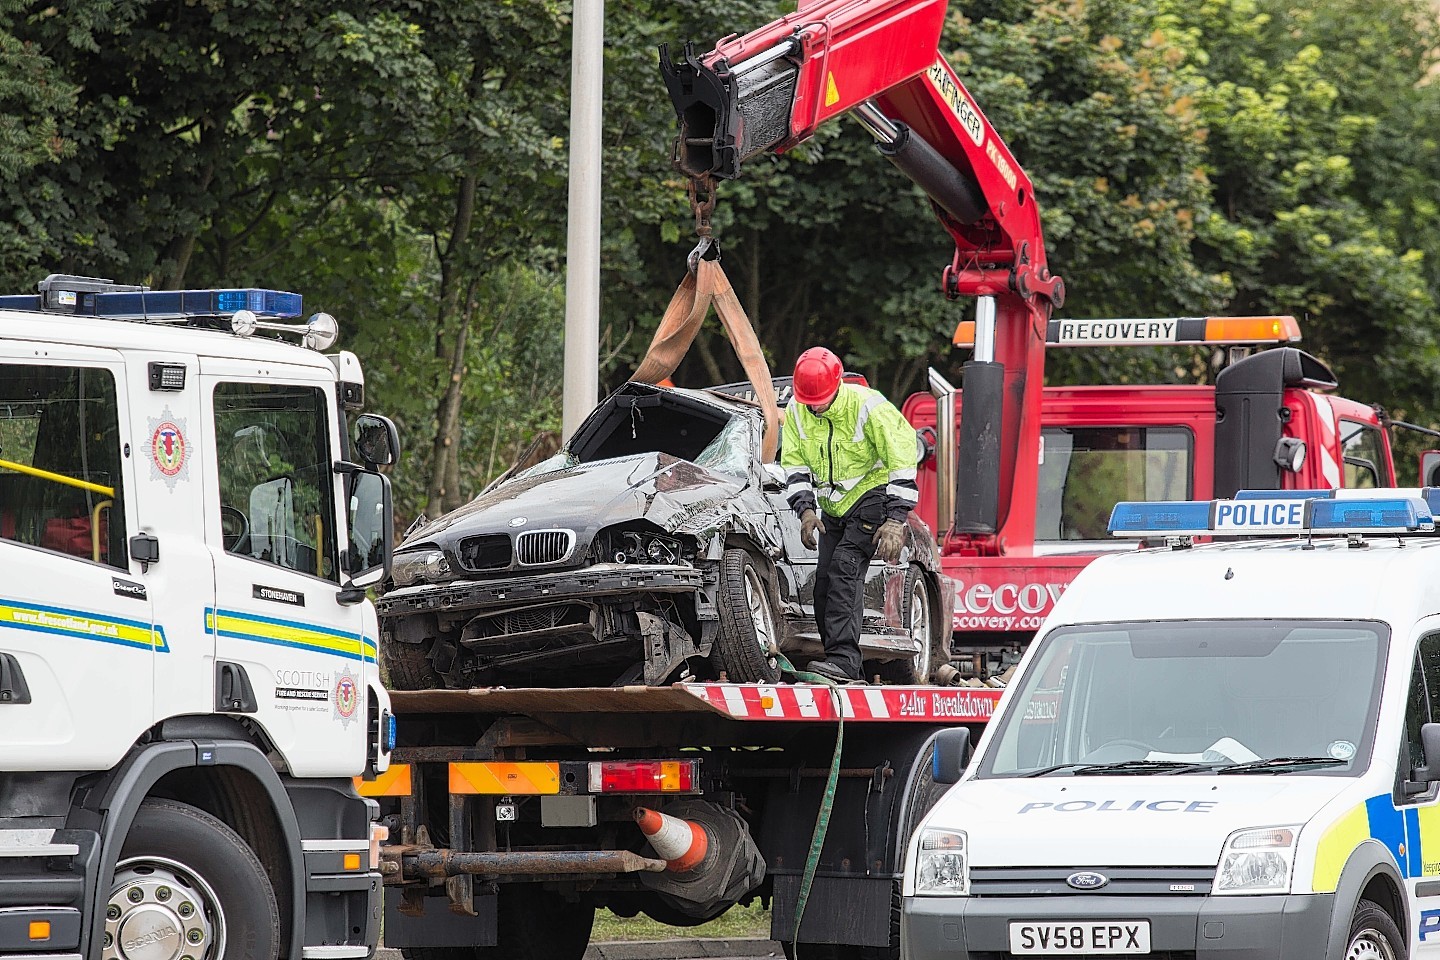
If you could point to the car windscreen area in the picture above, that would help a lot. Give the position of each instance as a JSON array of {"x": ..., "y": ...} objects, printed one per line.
[
  {"x": 1210, "y": 694},
  {"x": 639, "y": 418}
]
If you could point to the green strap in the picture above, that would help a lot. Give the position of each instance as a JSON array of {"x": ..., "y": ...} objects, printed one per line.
[{"x": 827, "y": 801}]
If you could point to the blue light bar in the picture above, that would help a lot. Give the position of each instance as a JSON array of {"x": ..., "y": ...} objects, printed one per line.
[
  {"x": 1394, "y": 515},
  {"x": 181, "y": 304},
  {"x": 1287, "y": 513},
  {"x": 1173, "y": 518}
]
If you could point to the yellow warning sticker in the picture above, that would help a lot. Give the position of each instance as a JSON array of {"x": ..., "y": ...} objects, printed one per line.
[{"x": 832, "y": 93}]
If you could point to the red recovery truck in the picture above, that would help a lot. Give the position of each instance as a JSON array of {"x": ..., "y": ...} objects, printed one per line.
[
  {"x": 1266, "y": 423},
  {"x": 514, "y": 813}
]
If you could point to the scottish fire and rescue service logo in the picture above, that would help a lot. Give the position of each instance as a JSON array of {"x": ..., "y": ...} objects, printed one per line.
[
  {"x": 169, "y": 450},
  {"x": 347, "y": 697}
]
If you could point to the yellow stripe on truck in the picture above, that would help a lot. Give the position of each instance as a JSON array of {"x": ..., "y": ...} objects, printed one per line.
[
  {"x": 394, "y": 782},
  {"x": 1336, "y": 845},
  {"x": 505, "y": 778}
]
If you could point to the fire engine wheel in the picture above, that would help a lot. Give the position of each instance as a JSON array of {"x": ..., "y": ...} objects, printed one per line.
[
  {"x": 748, "y": 641},
  {"x": 917, "y": 617},
  {"x": 1374, "y": 935},
  {"x": 186, "y": 885}
]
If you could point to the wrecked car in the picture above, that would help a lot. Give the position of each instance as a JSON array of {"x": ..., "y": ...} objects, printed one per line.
[{"x": 654, "y": 547}]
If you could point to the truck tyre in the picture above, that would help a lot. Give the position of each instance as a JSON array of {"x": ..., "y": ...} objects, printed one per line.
[
  {"x": 747, "y": 640},
  {"x": 184, "y": 874},
  {"x": 406, "y": 666},
  {"x": 917, "y": 616},
  {"x": 534, "y": 924},
  {"x": 1374, "y": 936}
]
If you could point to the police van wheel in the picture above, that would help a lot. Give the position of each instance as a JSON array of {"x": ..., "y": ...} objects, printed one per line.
[
  {"x": 187, "y": 885},
  {"x": 746, "y": 644},
  {"x": 1374, "y": 936}
]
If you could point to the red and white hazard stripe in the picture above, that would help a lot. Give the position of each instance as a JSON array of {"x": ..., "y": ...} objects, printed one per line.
[
  {"x": 751, "y": 701},
  {"x": 1328, "y": 453}
]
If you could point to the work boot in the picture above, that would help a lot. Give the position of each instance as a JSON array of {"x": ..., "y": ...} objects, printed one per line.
[{"x": 832, "y": 671}]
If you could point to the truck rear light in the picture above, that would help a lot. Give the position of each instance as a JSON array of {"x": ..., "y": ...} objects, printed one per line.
[
  {"x": 645, "y": 776},
  {"x": 379, "y": 833}
]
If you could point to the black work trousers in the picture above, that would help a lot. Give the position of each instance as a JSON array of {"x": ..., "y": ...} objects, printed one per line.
[{"x": 846, "y": 549}]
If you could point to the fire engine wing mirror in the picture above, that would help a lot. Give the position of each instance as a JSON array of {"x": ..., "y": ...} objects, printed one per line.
[
  {"x": 1430, "y": 468},
  {"x": 1422, "y": 776},
  {"x": 371, "y": 521},
  {"x": 951, "y": 754},
  {"x": 376, "y": 440}
]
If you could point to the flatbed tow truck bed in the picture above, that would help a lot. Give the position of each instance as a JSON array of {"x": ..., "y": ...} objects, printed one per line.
[
  {"x": 737, "y": 701},
  {"x": 516, "y": 802}
]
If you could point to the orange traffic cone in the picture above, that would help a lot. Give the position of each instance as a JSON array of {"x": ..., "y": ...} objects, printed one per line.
[{"x": 680, "y": 843}]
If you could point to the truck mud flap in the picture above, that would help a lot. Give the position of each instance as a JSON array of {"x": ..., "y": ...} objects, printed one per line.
[
  {"x": 437, "y": 926},
  {"x": 855, "y": 910}
]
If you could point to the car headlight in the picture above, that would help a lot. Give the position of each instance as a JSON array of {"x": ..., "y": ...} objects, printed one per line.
[
  {"x": 419, "y": 566},
  {"x": 1257, "y": 861},
  {"x": 628, "y": 546},
  {"x": 942, "y": 864}
]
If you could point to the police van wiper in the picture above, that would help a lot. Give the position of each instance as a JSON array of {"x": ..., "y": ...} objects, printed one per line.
[
  {"x": 1280, "y": 764},
  {"x": 1122, "y": 768}
]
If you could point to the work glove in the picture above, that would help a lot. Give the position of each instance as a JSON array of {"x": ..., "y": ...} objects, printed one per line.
[
  {"x": 811, "y": 526},
  {"x": 888, "y": 540}
]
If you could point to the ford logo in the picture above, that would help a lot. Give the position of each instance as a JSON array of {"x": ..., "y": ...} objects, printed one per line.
[{"x": 1087, "y": 880}]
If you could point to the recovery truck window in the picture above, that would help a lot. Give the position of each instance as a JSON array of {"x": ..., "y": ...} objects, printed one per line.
[
  {"x": 276, "y": 480},
  {"x": 1363, "y": 453},
  {"x": 1085, "y": 471},
  {"x": 60, "y": 481},
  {"x": 1195, "y": 696}
]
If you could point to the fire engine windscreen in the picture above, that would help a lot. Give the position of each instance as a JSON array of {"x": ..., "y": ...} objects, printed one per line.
[
  {"x": 60, "y": 478},
  {"x": 1219, "y": 693}
]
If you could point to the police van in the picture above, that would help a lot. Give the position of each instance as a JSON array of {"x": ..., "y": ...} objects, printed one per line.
[{"x": 1227, "y": 745}]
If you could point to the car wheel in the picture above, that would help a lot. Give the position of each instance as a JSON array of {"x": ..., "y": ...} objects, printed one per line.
[
  {"x": 747, "y": 641},
  {"x": 407, "y": 666},
  {"x": 186, "y": 883},
  {"x": 1374, "y": 936},
  {"x": 917, "y": 617}
]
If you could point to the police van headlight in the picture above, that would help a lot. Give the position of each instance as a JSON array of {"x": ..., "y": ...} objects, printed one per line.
[
  {"x": 942, "y": 863},
  {"x": 1257, "y": 861},
  {"x": 419, "y": 566}
]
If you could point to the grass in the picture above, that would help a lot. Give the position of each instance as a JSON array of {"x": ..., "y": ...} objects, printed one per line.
[{"x": 751, "y": 921}]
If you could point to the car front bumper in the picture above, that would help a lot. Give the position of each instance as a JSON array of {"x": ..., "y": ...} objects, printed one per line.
[
  {"x": 598, "y": 580},
  {"x": 1292, "y": 927}
]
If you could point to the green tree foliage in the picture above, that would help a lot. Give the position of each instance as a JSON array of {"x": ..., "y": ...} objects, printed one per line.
[{"x": 402, "y": 163}]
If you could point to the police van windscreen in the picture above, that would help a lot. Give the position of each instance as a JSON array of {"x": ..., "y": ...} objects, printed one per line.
[{"x": 1195, "y": 697}]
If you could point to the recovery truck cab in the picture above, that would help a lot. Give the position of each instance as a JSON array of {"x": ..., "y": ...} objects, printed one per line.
[
  {"x": 1227, "y": 749},
  {"x": 1270, "y": 421},
  {"x": 188, "y": 677}
]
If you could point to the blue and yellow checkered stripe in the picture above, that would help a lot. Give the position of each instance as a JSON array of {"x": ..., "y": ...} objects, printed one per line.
[
  {"x": 83, "y": 625},
  {"x": 237, "y": 625},
  {"x": 1407, "y": 832}
]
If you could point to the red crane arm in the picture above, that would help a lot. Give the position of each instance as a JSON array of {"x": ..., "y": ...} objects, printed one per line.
[{"x": 879, "y": 60}]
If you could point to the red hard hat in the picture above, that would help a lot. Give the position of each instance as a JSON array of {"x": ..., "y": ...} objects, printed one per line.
[{"x": 817, "y": 376}]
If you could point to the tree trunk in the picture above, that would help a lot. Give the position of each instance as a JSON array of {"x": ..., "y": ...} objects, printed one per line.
[{"x": 444, "y": 462}]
